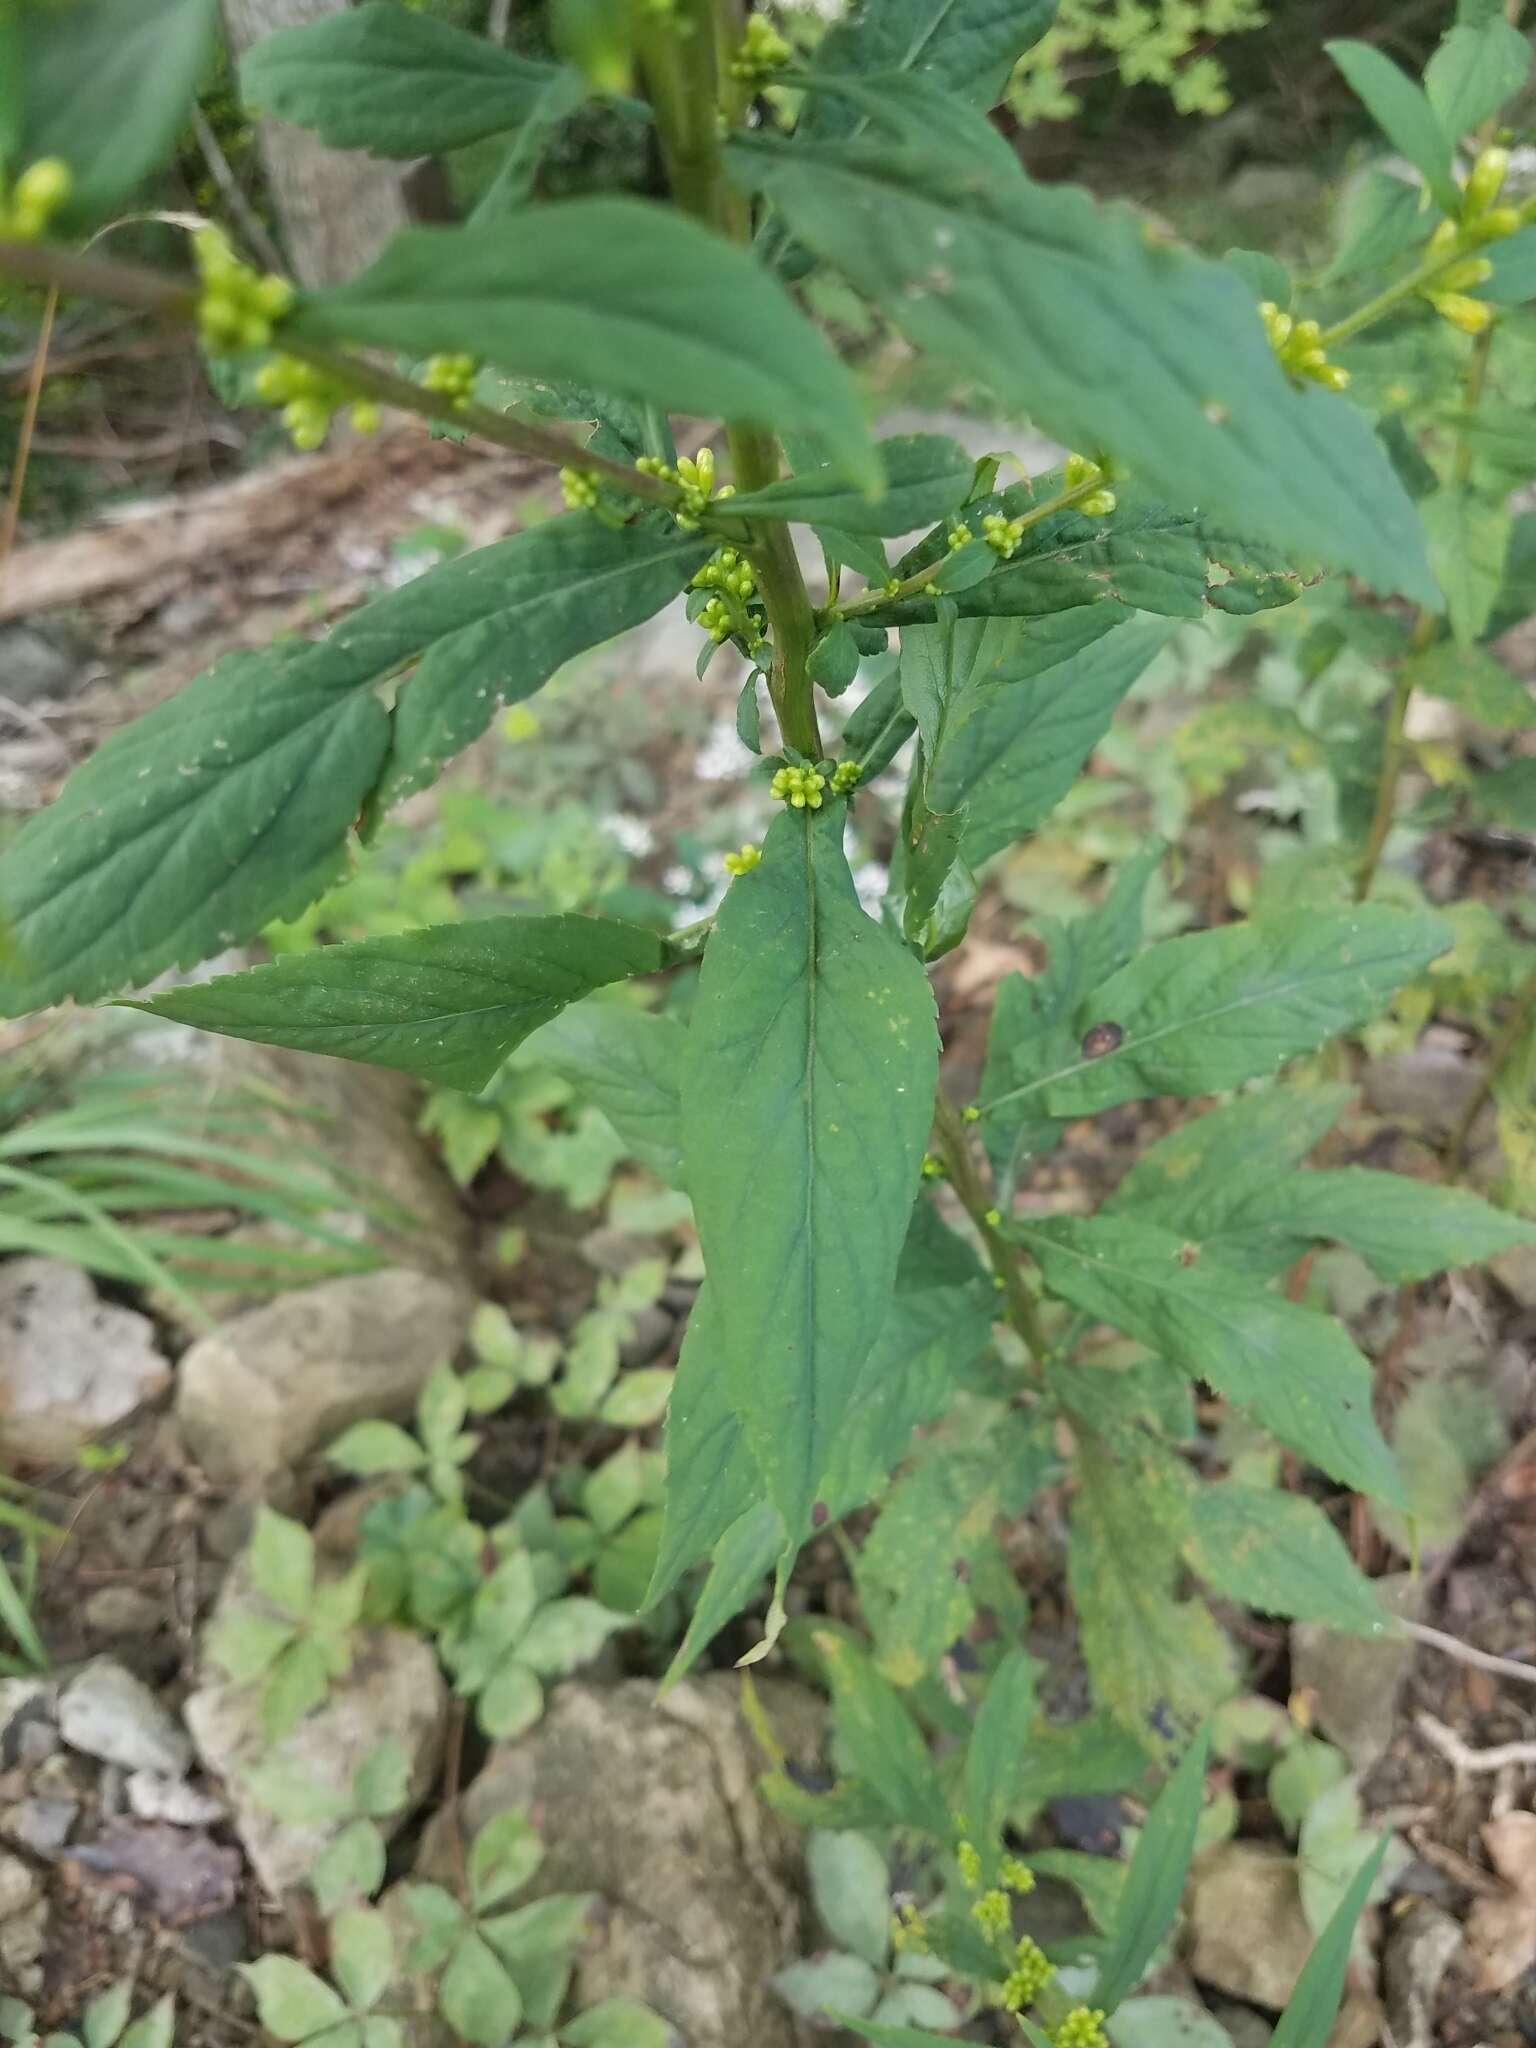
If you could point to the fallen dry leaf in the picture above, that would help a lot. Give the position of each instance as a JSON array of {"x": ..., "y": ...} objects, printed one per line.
[
  {"x": 181, "y": 1874},
  {"x": 1501, "y": 1933}
]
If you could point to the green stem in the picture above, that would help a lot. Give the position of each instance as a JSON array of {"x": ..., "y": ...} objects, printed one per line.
[
  {"x": 1511, "y": 1033},
  {"x": 1393, "y": 754},
  {"x": 966, "y": 1179},
  {"x": 917, "y": 584},
  {"x": 147, "y": 291},
  {"x": 685, "y": 70}
]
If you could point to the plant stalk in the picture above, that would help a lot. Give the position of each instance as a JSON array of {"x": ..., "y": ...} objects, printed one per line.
[
  {"x": 1393, "y": 752},
  {"x": 1511, "y": 1032},
  {"x": 966, "y": 1180}
]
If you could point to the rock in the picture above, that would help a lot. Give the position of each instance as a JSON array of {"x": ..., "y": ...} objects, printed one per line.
[
  {"x": 40, "y": 1824},
  {"x": 1515, "y": 1270},
  {"x": 394, "y": 1692},
  {"x": 23, "y": 1928},
  {"x": 652, "y": 1805},
  {"x": 155, "y": 1798},
  {"x": 1430, "y": 1084},
  {"x": 355, "y": 1123},
  {"x": 1355, "y": 1680},
  {"x": 44, "y": 660},
  {"x": 106, "y": 1712},
  {"x": 122, "y": 1611},
  {"x": 652, "y": 1333},
  {"x": 280, "y": 1381},
  {"x": 18, "y": 1887},
  {"x": 1248, "y": 1935},
  {"x": 1418, "y": 1952},
  {"x": 70, "y": 1364}
]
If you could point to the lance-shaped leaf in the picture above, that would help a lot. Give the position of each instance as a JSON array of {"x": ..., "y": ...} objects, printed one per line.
[
  {"x": 1475, "y": 69},
  {"x": 629, "y": 1063},
  {"x": 1402, "y": 111},
  {"x": 616, "y": 293},
  {"x": 1278, "y": 1552},
  {"x": 109, "y": 89},
  {"x": 1217, "y": 1008},
  {"x": 448, "y": 1003},
  {"x": 1154, "y": 1884},
  {"x": 926, "y": 475},
  {"x": 813, "y": 1058},
  {"x": 230, "y": 806},
  {"x": 1295, "y": 1370},
  {"x": 1314, "y": 2005},
  {"x": 1108, "y": 337},
  {"x": 397, "y": 84},
  {"x": 964, "y": 47}
]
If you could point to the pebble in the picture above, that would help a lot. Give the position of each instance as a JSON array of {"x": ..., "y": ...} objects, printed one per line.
[
  {"x": 107, "y": 1713},
  {"x": 122, "y": 1611},
  {"x": 152, "y": 1797}
]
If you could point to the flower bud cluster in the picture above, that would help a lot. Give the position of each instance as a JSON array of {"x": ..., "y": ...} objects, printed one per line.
[
  {"x": 310, "y": 399},
  {"x": 800, "y": 788},
  {"x": 36, "y": 196},
  {"x": 237, "y": 307},
  {"x": 1298, "y": 348}
]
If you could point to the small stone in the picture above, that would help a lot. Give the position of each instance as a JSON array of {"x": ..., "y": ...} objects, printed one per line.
[
  {"x": 106, "y": 1712},
  {"x": 152, "y": 1797},
  {"x": 23, "y": 1939},
  {"x": 122, "y": 1611},
  {"x": 41, "y": 1824},
  {"x": 18, "y": 1887},
  {"x": 1248, "y": 1934},
  {"x": 282, "y": 1381},
  {"x": 1515, "y": 1270},
  {"x": 652, "y": 1333},
  {"x": 1354, "y": 1680},
  {"x": 71, "y": 1364},
  {"x": 1418, "y": 1952}
]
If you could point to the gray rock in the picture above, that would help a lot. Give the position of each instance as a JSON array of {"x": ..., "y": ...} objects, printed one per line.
[
  {"x": 23, "y": 1928},
  {"x": 1418, "y": 1952},
  {"x": 122, "y": 1611},
  {"x": 652, "y": 1333},
  {"x": 44, "y": 660},
  {"x": 652, "y": 1804},
  {"x": 41, "y": 1823},
  {"x": 1247, "y": 1933},
  {"x": 281, "y": 1381},
  {"x": 107, "y": 1713},
  {"x": 394, "y": 1692},
  {"x": 70, "y": 1364},
  {"x": 1516, "y": 1270},
  {"x": 171, "y": 1799},
  {"x": 1430, "y": 1085},
  {"x": 1355, "y": 1680},
  {"x": 18, "y": 1887}
]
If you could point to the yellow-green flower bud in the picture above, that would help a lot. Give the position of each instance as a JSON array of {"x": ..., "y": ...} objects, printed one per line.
[
  {"x": 1098, "y": 505},
  {"x": 1083, "y": 2027},
  {"x": 800, "y": 788},
  {"x": 909, "y": 1935},
  {"x": 971, "y": 1113},
  {"x": 993, "y": 1914},
  {"x": 744, "y": 862},
  {"x": 1447, "y": 236},
  {"x": 1462, "y": 277},
  {"x": 1485, "y": 181},
  {"x": 846, "y": 777},
  {"x": 968, "y": 1863},
  {"x": 1496, "y": 223},
  {"x": 579, "y": 488},
  {"x": 365, "y": 416},
  {"x": 761, "y": 52},
  {"x": 1032, "y": 1971},
  {"x": 1472, "y": 316},
  {"x": 1002, "y": 535},
  {"x": 958, "y": 537},
  {"x": 1017, "y": 1876},
  {"x": 1079, "y": 471}
]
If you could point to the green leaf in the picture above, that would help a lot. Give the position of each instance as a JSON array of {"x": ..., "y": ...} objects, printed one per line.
[
  {"x": 297, "y": 1684},
  {"x": 742, "y": 1558},
  {"x": 909, "y": 2037},
  {"x": 1404, "y": 115},
  {"x": 566, "y": 1635},
  {"x": 964, "y": 47},
  {"x": 1033, "y": 1016},
  {"x": 926, "y": 476},
  {"x": 638, "y": 1399},
  {"x": 477, "y": 1997},
  {"x": 246, "y": 1645},
  {"x": 109, "y": 89},
  {"x": 1166, "y": 2022},
  {"x": 291, "y": 2002},
  {"x": 1157, "y": 1662},
  {"x": 997, "y": 1753},
  {"x": 1295, "y": 1370},
  {"x": 396, "y": 83},
  {"x": 1474, "y": 71},
  {"x": 1469, "y": 535},
  {"x": 1045, "y": 297},
  {"x": 816, "y": 1027},
  {"x": 362, "y": 1955},
  {"x": 558, "y": 1922},
  {"x": 368, "y": 1448},
  {"x": 616, "y": 2023},
  {"x": 1007, "y": 747},
  {"x": 1217, "y": 1008},
  {"x": 1476, "y": 682},
  {"x": 1278, "y": 1552},
  {"x": 1154, "y": 1883},
  {"x": 512, "y": 1701},
  {"x": 282, "y": 1562},
  {"x": 1379, "y": 217},
  {"x": 1307, "y": 1770},
  {"x": 608, "y": 292},
  {"x": 881, "y": 1742},
  {"x": 1308, "y": 2019},
  {"x": 448, "y": 1003},
  {"x": 503, "y": 1857},
  {"x": 852, "y": 1890},
  {"x": 1404, "y": 1229},
  {"x": 350, "y": 1867},
  {"x": 155, "y": 2028},
  {"x": 513, "y": 185},
  {"x": 629, "y": 1064},
  {"x": 827, "y": 1984},
  {"x": 107, "y": 2015}
]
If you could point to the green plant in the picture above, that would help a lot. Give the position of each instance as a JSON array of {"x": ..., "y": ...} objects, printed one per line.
[
  {"x": 1168, "y": 45},
  {"x": 875, "y": 1263},
  {"x": 306, "y": 1639},
  {"x": 105, "y": 2023}
]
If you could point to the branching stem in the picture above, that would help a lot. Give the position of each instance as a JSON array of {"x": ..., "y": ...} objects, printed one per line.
[{"x": 965, "y": 1177}]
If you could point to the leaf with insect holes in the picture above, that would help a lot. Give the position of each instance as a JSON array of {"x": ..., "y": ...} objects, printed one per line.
[
  {"x": 816, "y": 1026},
  {"x": 394, "y": 83},
  {"x": 1295, "y": 1370},
  {"x": 605, "y": 291},
  {"x": 1154, "y": 1884},
  {"x": 1044, "y": 297},
  {"x": 1216, "y": 1008},
  {"x": 1157, "y": 1662},
  {"x": 110, "y": 90},
  {"x": 193, "y": 828},
  {"x": 448, "y": 1003}
]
